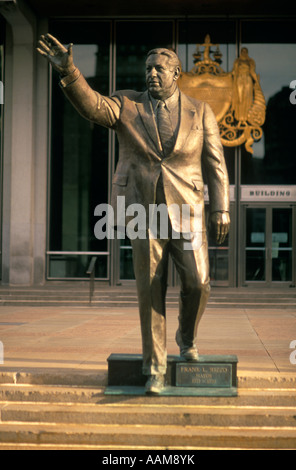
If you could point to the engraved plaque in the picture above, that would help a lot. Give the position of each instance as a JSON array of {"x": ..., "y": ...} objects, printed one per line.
[{"x": 203, "y": 375}]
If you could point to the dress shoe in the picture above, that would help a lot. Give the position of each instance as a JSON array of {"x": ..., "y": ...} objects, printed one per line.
[
  {"x": 154, "y": 385},
  {"x": 189, "y": 354}
]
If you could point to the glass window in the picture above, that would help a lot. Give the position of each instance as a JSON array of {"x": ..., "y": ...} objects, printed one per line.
[
  {"x": 74, "y": 266},
  {"x": 282, "y": 244},
  {"x": 255, "y": 244},
  {"x": 2, "y": 32},
  {"x": 79, "y": 155},
  {"x": 219, "y": 269},
  {"x": 193, "y": 32},
  {"x": 134, "y": 39},
  {"x": 272, "y": 45}
]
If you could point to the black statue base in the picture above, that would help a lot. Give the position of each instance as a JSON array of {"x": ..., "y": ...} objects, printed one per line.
[{"x": 212, "y": 375}]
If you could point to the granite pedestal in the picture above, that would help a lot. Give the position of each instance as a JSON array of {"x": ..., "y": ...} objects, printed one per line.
[{"x": 212, "y": 375}]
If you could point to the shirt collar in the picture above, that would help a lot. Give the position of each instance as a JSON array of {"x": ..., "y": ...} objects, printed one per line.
[{"x": 170, "y": 102}]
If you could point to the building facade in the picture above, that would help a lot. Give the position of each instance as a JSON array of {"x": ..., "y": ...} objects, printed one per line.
[{"x": 56, "y": 167}]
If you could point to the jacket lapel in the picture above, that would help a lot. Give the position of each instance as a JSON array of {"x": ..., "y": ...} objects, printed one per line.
[
  {"x": 145, "y": 110},
  {"x": 187, "y": 113}
]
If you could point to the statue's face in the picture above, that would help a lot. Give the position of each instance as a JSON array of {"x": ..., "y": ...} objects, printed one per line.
[{"x": 161, "y": 76}]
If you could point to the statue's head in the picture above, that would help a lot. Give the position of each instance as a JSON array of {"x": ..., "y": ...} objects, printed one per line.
[
  {"x": 244, "y": 52},
  {"x": 162, "y": 72}
]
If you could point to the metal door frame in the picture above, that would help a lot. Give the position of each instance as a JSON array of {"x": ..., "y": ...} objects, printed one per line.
[{"x": 268, "y": 245}]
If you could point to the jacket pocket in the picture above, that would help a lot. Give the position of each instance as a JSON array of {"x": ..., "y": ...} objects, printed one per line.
[{"x": 120, "y": 180}]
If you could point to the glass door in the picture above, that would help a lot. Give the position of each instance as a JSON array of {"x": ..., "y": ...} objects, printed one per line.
[
  {"x": 268, "y": 245},
  {"x": 281, "y": 245},
  {"x": 255, "y": 245}
]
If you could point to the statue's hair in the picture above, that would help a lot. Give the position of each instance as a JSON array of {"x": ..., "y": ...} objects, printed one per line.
[{"x": 174, "y": 59}]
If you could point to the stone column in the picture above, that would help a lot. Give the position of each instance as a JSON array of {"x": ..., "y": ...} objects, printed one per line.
[
  {"x": 19, "y": 145},
  {"x": 41, "y": 162}
]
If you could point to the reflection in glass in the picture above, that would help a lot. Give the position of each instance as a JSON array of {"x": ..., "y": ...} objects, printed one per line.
[
  {"x": 218, "y": 256},
  {"x": 282, "y": 245},
  {"x": 218, "y": 265},
  {"x": 2, "y": 33},
  {"x": 193, "y": 32},
  {"x": 126, "y": 260},
  {"x": 282, "y": 266},
  {"x": 255, "y": 265},
  {"x": 75, "y": 266},
  {"x": 255, "y": 244},
  {"x": 79, "y": 152},
  {"x": 255, "y": 235},
  {"x": 272, "y": 46},
  {"x": 134, "y": 40},
  {"x": 282, "y": 227}
]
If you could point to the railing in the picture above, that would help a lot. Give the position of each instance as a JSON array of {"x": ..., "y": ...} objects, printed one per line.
[
  {"x": 91, "y": 273},
  {"x": 64, "y": 254}
]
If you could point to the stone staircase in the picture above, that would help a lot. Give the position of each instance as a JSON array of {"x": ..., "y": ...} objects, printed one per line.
[
  {"x": 126, "y": 296},
  {"x": 63, "y": 415}
]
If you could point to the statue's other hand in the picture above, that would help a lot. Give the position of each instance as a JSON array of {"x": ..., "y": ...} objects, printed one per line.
[
  {"x": 220, "y": 224},
  {"x": 59, "y": 56}
]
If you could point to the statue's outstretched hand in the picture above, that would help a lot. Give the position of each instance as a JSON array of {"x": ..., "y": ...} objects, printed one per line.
[{"x": 59, "y": 56}]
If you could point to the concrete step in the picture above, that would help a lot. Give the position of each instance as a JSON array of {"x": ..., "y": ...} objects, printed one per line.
[
  {"x": 116, "y": 297},
  {"x": 147, "y": 436},
  {"x": 147, "y": 414},
  {"x": 130, "y": 296},
  {"x": 120, "y": 305},
  {"x": 247, "y": 397},
  {"x": 43, "y": 416},
  {"x": 98, "y": 379}
]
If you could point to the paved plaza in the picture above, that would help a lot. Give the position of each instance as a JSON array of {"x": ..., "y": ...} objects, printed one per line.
[{"x": 79, "y": 340}]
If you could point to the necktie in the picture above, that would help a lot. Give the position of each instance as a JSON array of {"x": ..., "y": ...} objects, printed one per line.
[{"x": 165, "y": 128}]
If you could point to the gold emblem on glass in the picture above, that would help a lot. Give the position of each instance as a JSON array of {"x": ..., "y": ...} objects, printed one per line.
[{"x": 235, "y": 97}]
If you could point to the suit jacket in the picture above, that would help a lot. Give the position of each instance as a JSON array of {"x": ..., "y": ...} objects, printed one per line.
[{"x": 198, "y": 148}]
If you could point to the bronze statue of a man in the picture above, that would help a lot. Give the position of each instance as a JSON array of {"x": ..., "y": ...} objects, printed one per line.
[{"x": 165, "y": 139}]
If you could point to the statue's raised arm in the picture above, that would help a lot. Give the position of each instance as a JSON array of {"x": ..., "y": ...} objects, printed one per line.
[
  {"x": 89, "y": 103},
  {"x": 59, "y": 56}
]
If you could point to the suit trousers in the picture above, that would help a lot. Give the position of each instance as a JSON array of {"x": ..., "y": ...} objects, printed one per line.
[{"x": 150, "y": 260}]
